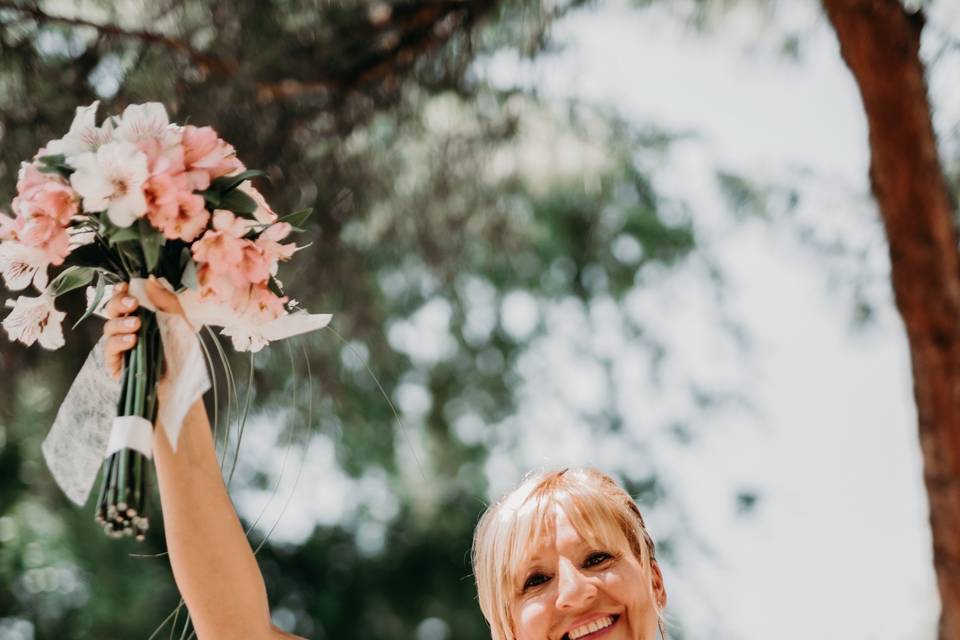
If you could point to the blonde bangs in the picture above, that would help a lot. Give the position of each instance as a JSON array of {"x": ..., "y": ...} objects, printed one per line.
[{"x": 603, "y": 514}]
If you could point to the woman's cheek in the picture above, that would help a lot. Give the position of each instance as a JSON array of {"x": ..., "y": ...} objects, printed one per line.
[{"x": 532, "y": 619}]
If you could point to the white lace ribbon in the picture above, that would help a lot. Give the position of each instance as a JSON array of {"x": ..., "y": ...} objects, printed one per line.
[
  {"x": 130, "y": 432},
  {"x": 87, "y": 428}
]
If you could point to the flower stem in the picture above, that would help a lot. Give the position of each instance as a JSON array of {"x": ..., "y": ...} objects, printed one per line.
[{"x": 121, "y": 507}]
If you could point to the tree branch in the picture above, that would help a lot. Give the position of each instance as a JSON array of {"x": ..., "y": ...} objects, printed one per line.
[
  {"x": 880, "y": 42},
  {"x": 203, "y": 60},
  {"x": 423, "y": 27}
]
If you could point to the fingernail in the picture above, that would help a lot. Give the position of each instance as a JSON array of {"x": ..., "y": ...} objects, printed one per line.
[
  {"x": 130, "y": 322},
  {"x": 129, "y": 302},
  {"x": 128, "y": 338}
]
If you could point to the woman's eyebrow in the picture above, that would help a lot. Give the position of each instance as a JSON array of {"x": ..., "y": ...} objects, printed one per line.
[{"x": 533, "y": 562}]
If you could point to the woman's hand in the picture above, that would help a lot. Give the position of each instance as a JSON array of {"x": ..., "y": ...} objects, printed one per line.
[{"x": 121, "y": 329}]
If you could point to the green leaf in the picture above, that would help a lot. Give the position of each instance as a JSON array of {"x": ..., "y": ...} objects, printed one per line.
[
  {"x": 62, "y": 170},
  {"x": 55, "y": 164},
  {"x": 238, "y": 202},
  {"x": 274, "y": 285},
  {"x": 152, "y": 240},
  {"x": 212, "y": 198},
  {"x": 229, "y": 183},
  {"x": 97, "y": 297},
  {"x": 53, "y": 160},
  {"x": 123, "y": 235},
  {"x": 71, "y": 278},
  {"x": 189, "y": 277},
  {"x": 90, "y": 255},
  {"x": 297, "y": 219}
]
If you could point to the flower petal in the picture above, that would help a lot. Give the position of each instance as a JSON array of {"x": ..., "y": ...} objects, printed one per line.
[
  {"x": 294, "y": 324},
  {"x": 21, "y": 264}
]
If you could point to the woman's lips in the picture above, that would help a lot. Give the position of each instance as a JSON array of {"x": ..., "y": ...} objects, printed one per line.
[{"x": 594, "y": 629}]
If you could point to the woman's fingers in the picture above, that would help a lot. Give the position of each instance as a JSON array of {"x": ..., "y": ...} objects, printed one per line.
[
  {"x": 162, "y": 298},
  {"x": 121, "y": 329},
  {"x": 121, "y": 304},
  {"x": 121, "y": 325},
  {"x": 114, "y": 349}
]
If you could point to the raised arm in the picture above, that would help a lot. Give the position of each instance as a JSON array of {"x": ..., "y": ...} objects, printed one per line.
[{"x": 213, "y": 564}]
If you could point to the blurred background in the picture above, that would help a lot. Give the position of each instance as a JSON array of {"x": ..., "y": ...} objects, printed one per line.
[{"x": 636, "y": 235}]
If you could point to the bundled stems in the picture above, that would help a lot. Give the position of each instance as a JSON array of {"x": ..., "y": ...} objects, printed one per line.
[{"x": 121, "y": 507}]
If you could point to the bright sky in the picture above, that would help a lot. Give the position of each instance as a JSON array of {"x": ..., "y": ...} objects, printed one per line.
[
  {"x": 839, "y": 545},
  {"x": 840, "y": 534}
]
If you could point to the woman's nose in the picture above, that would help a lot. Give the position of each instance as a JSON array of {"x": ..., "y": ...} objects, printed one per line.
[{"x": 574, "y": 589}]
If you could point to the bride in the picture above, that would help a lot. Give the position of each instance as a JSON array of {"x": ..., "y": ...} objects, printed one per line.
[{"x": 565, "y": 556}]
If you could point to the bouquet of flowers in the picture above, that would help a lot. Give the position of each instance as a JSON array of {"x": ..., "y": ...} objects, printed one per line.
[{"x": 138, "y": 197}]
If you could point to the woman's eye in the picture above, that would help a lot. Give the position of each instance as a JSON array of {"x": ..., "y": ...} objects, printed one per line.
[
  {"x": 534, "y": 580},
  {"x": 597, "y": 558}
]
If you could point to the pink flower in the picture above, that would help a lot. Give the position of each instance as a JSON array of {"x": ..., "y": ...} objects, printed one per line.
[
  {"x": 254, "y": 266},
  {"x": 50, "y": 199},
  {"x": 30, "y": 177},
  {"x": 207, "y": 157},
  {"x": 40, "y": 193},
  {"x": 213, "y": 285},
  {"x": 164, "y": 155},
  {"x": 227, "y": 259},
  {"x": 253, "y": 316},
  {"x": 42, "y": 221},
  {"x": 43, "y": 232},
  {"x": 189, "y": 220},
  {"x": 161, "y": 194},
  {"x": 263, "y": 213},
  {"x": 269, "y": 241},
  {"x": 222, "y": 247},
  {"x": 264, "y": 305},
  {"x": 176, "y": 213}
]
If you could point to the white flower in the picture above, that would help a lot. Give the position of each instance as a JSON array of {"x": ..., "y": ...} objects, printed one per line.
[
  {"x": 101, "y": 308},
  {"x": 34, "y": 319},
  {"x": 80, "y": 237},
  {"x": 251, "y": 335},
  {"x": 245, "y": 337},
  {"x": 84, "y": 135},
  {"x": 112, "y": 180},
  {"x": 22, "y": 264},
  {"x": 143, "y": 122},
  {"x": 8, "y": 227}
]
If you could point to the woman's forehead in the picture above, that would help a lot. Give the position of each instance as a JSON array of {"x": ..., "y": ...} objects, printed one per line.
[{"x": 558, "y": 532}]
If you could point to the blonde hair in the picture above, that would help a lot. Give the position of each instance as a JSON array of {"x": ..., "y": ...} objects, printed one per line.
[{"x": 600, "y": 510}]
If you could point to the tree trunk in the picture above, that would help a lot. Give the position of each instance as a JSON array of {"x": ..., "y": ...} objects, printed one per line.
[{"x": 880, "y": 43}]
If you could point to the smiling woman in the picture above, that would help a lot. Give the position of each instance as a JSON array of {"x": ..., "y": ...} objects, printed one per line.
[{"x": 566, "y": 556}]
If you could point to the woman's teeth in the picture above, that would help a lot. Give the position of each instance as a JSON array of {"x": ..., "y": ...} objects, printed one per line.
[{"x": 591, "y": 627}]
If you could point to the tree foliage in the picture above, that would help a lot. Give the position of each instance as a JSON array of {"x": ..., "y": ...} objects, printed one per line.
[{"x": 416, "y": 167}]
